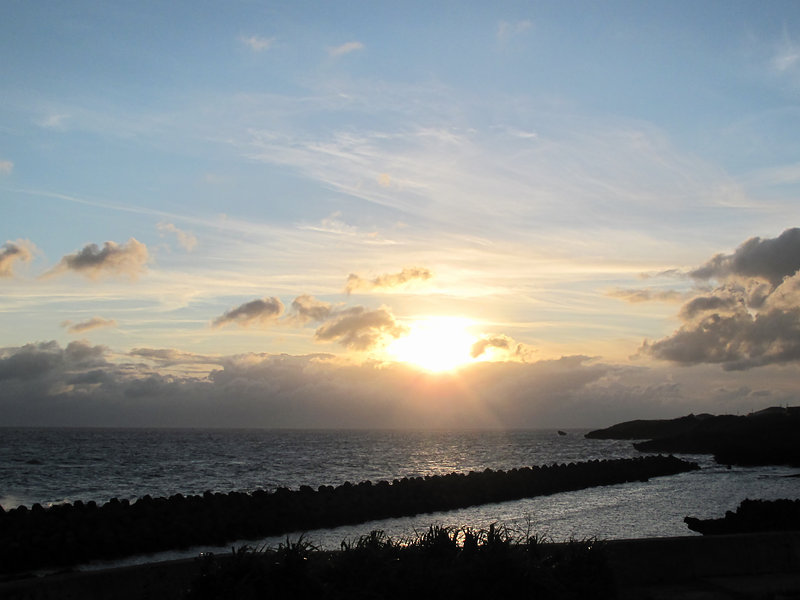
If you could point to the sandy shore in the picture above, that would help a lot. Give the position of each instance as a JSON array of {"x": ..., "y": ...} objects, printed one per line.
[{"x": 759, "y": 565}]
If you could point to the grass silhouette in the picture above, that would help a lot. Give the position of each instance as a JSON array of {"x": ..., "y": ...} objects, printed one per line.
[{"x": 442, "y": 562}]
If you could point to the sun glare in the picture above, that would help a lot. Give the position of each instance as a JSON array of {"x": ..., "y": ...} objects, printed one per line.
[{"x": 435, "y": 344}]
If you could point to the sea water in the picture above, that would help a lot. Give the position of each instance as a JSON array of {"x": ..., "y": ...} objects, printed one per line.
[{"x": 56, "y": 465}]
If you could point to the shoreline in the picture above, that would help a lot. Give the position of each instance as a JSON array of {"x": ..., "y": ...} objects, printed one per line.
[
  {"x": 737, "y": 565},
  {"x": 64, "y": 535}
]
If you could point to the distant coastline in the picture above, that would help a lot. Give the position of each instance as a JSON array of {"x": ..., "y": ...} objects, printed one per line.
[{"x": 765, "y": 437}]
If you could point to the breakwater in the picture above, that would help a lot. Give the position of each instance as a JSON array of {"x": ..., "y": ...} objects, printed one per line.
[{"x": 67, "y": 534}]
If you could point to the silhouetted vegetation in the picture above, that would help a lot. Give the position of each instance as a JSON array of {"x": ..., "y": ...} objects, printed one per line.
[
  {"x": 69, "y": 534},
  {"x": 442, "y": 563}
]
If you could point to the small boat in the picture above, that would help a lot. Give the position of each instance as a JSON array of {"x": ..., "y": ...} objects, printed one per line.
[{"x": 562, "y": 432}]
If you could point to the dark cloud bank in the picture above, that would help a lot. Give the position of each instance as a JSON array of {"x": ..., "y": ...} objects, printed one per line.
[
  {"x": 82, "y": 384},
  {"x": 86, "y": 385},
  {"x": 750, "y": 318}
]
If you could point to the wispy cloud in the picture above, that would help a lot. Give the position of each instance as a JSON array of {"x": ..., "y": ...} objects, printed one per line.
[
  {"x": 257, "y": 43},
  {"x": 345, "y": 48},
  {"x": 786, "y": 60},
  {"x": 444, "y": 171},
  {"x": 53, "y": 121},
  {"x": 168, "y": 357},
  {"x": 356, "y": 283},
  {"x": 185, "y": 239},
  {"x": 635, "y": 296},
  {"x": 787, "y": 55},
  {"x": 84, "y": 326},
  {"x": 507, "y": 30}
]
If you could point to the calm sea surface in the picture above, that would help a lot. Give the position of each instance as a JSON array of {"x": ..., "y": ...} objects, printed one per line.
[{"x": 59, "y": 465}]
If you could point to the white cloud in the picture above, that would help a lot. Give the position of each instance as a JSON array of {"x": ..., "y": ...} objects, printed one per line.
[
  {"x": 345, "y": 48},
  {"x": 786, "y": 60},
  {"x": 787, "y": 55},
  {"x": 507, "y": 30},
  {"x": 257, "y": 43},
  {"x": 53, "y": 121}
]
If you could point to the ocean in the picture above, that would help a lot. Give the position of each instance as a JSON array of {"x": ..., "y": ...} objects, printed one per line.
[{"x": 53, "y": 465}]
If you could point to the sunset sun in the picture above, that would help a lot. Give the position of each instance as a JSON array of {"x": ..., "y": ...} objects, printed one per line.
[{"x": 435, "y": 344}]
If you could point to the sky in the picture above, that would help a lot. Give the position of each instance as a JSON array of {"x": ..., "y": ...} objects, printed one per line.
[{"x": 397, "y": 215}]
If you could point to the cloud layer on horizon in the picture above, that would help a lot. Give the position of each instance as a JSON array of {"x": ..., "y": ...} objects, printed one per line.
[{"x": 81, "y": 384}]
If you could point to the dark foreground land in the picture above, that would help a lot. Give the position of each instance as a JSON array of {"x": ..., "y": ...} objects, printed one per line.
[
  {"x": 70, "y": 534},
  {"x": 446, "y": 563},
  {"x": 766, "y": 437}
]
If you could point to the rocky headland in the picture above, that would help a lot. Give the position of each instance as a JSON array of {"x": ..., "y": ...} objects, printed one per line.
[
  {"x": 752, "y": 516},
  {"x": 766, "y": 437}
]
